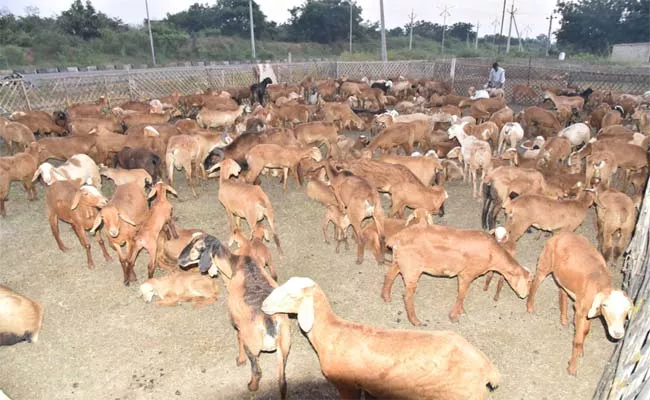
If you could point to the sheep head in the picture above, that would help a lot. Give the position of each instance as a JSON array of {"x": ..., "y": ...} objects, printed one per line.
[
  {"x": 211, "y": 255},
  {"x": 147, "y": 290},
  {"x": 112, "y": 218},
  {"x": 294, "y": 296},
  {"x": 90, "y": 196},
  {"x": 49, "y": 174},
  {"x": 614, "y": 306}
]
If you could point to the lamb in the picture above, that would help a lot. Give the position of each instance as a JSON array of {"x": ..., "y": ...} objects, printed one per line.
[
  {"x": 276, "y": 156},
  {"x": 581, "y": 272},
  {"x": 20, "y": 318},
  {"x": 317, "y": 133},
  {"x": 512, "y": 132},
  {"x": 341, "y": 222},
  {"x": 140, "y": 158},
  {"x": 77, "y": 206},
  {"x": 122, "y": 176},
  {"x": 442, "y": 366},
  {"x": 15, "y": 133},
  {"x": 79, "y": 169},
  {"x": 569, "y": 102},
  {"x": 429, "y": 198},
  {"x": 358, "y": 199},
  {"x": 415, "y": 248},
  {"x": 181, "y": 286},
  {"x": 546, "y": 214},
  {"x": 121, "y": 217},
  {"x": 404, "y": 134},
  {"x": 158, "y": 218},
  {"x": 476, "y": 154},
  {"x": 243, "y": 200},
  {"x": 248, "y": 286},
  {"x": 170, "y": 249},
  {"x": 255, "y": 247}
]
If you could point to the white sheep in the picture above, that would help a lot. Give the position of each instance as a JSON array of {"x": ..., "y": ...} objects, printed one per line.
[
  {"x": 513, "y": 133},
  {"x": 577, "y": 134},
  {"x": 79, "y": 168}
]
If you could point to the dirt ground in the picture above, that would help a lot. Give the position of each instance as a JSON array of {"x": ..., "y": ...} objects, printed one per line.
[{"x": 101, "y": 341}]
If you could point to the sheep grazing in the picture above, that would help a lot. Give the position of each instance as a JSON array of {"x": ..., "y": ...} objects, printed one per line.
[
  {"x": 582, "y": 273},
  {"x": 435, "y": 250},
  {"x": 275, "y": 156},
  {"x": 208, "y": 118},
  {"x": 20, "y": 318},
  {"x": 158, "y": 218},
  {"x": 248, "y": 285},
  {"x": 79, "y": 169},
  {"x": 546, "y": 214},
  {"x": 443, "y": 365},
  {"x": 77, "y": 206},
  {"x": 181, "y": 286},
  {"x": 578, "y": 134},
  {"x": 243, "y": 200}
]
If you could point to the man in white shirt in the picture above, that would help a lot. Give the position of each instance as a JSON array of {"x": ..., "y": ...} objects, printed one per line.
[{"x": 497, "y": 77}]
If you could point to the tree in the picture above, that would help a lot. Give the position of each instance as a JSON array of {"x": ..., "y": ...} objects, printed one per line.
[
  {"x": 594, "y": 25},
  {"x": 84, "y": 21},
  {"x": 325, "y": 21},
  {"x": 427, "y": 30},
  {"x": 460, "y": 30}
]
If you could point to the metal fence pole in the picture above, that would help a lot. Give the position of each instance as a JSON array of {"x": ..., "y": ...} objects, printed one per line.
[
  {"x": 452, "y": 71},
  {"x": 131, "y": 84},
  {"x": 24, "y": 92},
  {"x": 207, "y": 76},
  {"x": 530, "y": 61}
]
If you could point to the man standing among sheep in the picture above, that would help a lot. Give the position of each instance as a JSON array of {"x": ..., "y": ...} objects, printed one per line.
[{"x": 497, "y": 77}]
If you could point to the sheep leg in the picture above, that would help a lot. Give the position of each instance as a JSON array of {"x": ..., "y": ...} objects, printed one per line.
[
  {"x": 326, "y": 222},
  {"x": 463, "y": 287},
  {"x": 410, "y": 284},
  {"x": 168, "y": 301},
  {"x": 389, "y": 279},
  {"x": 564, "y": 302},
  {"x": 608, "y": 238},
  {"x": 241, "y": 358},
  {"x": 188, "y": 178},
  {"x": 475, "y": 183},
  {"x": 54, "y": 226},
  {"x": 296, "y": 175},
  {"x": 488, "y": 279},
  {"x": 582, "y": 325},
  {"x": 151, "y": 266},
  {"x": 347, "y": 392},
  {"x": 200, "y": 302},
  {"x": 543, "y": 269},
  {"x": 3, "y": 211},
  {"x": 502, "y": 280},
  {"x": 269, "y": 263},
  {"x": 99, "y": 239},
  {"x": 282, "y": 353},
  {"x": 285, "y": 176},
  {"x": 30, "y": 190},
  {"x": 83, "y": 239},
  {"x": 256, "y": 371}
]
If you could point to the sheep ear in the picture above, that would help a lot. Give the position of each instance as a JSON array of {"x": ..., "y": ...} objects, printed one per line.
[
  {"x": 171, "y": 190},
  {"x": 306, "y": 313},
  {"x": 75, "y": 201},
  {"x": 152, "y": 193},
  {"x": 595, "y": 306},
  {"x": 410, "y": 218},
  {"x": 98, "y": 221},
  {"x": 127, "y": 219},
  {"x": 205, "y": 262},
  {"x": 37, "y": 174}
]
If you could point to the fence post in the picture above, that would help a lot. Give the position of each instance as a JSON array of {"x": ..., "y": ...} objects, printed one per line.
[
  {"x": 290, "y": 67},
  {"x": 131, "y": 84},
  {"x": 223, "y": 79},
  {"x": 207, "y": 76},
  {"x": 530, "y": 61},
  {"x": 337, "y": 70},
  {"x": 452, "y": 71},
  {"x": 24, "y": 92}
]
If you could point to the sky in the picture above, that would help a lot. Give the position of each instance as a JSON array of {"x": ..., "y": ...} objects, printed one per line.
[{"x": 530, "y": 16}]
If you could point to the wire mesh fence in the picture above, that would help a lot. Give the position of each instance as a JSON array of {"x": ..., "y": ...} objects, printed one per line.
[
  {"x": 54, "y": 91},
  {"x": 627, "y": 374}
]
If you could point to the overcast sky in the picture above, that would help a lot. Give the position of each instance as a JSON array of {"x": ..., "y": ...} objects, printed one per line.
[{"x": 531, "y": 13}]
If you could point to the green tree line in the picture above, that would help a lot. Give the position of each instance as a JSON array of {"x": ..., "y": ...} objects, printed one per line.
[{"x": 317, "y": 28}]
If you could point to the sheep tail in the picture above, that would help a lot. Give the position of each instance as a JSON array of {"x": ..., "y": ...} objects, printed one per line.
[
  {"x": 269, "y": 216},
  {"x": 494, "y": 378}
]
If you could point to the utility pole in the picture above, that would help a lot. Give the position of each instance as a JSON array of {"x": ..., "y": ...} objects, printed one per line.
[
  {"x": 512, "y": 15},
  {"x": 476, "y": 38},
  {"x": 153, "y": 53},
  {"x": 503, "y": 16},
  {"x": 250, "y": 16},
  {"x": 548, "y": 43},
  {"x": 495, "y": 23},
  {"x": 384, "y": 52},
  {"x": 350, "y": 26},
  {"x": 514, "y": 21},
  {"x": 445, "y": 13},
  {"x": 412, "y": 17}
]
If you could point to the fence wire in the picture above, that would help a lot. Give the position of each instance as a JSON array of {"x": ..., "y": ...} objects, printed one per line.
[{"x": 51, "y": 92}]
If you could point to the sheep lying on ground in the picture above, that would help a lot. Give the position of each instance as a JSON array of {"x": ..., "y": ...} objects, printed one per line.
[
  {"x": 20, "y": 318},
  {"x": 181, "y": 286}
]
